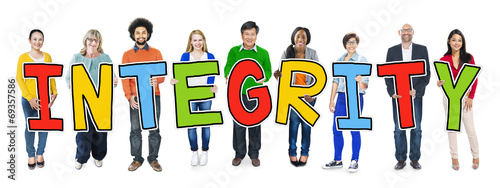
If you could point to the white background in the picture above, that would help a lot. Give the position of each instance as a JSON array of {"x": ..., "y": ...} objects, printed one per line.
[{"x": 64, "y": 24}]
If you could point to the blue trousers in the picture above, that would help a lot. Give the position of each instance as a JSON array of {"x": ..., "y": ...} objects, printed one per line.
[
  {"x": 135, "y": 138},
  {"x": 91, "y": 141},
  {"x": 415, "y": 134},
  {"x": 293, "y": 131},
  {"x": 205, "y": 131},
  {"x": 338, "y": 138},
  {"x": 30, "y": 136}
]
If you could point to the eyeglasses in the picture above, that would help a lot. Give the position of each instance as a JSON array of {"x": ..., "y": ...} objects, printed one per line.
[
  {"x": 93, "y": 40},
  {"x": 351, "y": 42},
  {"x": 406, "y": 30}
]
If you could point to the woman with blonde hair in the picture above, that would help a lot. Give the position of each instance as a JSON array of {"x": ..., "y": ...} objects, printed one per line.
[
  {"x": 197, "y": 50},
  {"x": 91, "y": 56}
]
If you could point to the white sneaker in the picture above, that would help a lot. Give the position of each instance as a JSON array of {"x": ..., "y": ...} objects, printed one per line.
[
  {"x": 204, "y": 158},
  {"x": 353, "y": 167},
  {"x": 78, "y": 165},
  {"x": 194, "y": 159},
  {"x": 98, "y": 163}
]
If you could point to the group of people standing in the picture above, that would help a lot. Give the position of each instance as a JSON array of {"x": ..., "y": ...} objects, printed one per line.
[{"x": 141, "y": 30}]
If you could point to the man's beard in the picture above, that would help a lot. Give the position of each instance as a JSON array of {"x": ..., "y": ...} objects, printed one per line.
[{"x": 141, "y": 43}]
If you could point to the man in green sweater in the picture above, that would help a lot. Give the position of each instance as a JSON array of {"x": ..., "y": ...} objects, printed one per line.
[{"x": 248, "y": 49}]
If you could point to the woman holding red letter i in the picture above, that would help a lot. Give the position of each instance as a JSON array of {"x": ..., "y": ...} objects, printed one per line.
[
  {"x": 30, "y": 102},
  {"x": 457, "y": 56},
  {"x": 197, "y": 50}
]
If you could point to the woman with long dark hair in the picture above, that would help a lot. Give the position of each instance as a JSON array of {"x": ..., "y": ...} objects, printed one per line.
[{"x": 457, "y": 56}]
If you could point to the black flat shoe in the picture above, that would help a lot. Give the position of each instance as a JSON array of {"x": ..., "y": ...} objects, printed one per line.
[
  {"x": 40, "y": 164},
  {"x": 31, "y": 166}
]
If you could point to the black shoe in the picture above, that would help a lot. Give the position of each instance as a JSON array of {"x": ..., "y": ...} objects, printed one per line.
[
  {"x": 400, "y": 165},
  {"x": 333, "y": 164},
  {"x": 40, "y": 164},
  {"x": 415, "y": 164},
  {"x": 303, "y": 163},
  {"x": 294, "y": 163},
  {"x": 31, "y": 166}
]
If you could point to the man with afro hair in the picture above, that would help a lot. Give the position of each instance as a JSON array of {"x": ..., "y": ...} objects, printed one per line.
[{"x": 140, "y": 32}]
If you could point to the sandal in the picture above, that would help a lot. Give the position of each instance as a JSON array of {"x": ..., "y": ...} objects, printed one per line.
[
  {"x": 455, "y": 167},
  {"x": 475, "y": 166}
]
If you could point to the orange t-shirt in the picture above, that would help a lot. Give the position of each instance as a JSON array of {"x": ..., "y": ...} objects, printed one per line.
[
  {"x": 153, "y": 54},
  {"x": 300, "y": 79}
]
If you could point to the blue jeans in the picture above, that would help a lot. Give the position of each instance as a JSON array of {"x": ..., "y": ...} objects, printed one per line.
[
  {"x": 338, "y": 138},
  {"x": 205, "y": 131},
  {"x": 91, "y": 141},
  {"x": 30, "y": 136},
  {"x": 293, "y": 130},
  {"x": 154, "y": 137},
  {"x": 416, "y": 133}
]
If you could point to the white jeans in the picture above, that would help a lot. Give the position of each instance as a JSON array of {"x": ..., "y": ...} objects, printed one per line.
[{"x": 468, "y": 122}]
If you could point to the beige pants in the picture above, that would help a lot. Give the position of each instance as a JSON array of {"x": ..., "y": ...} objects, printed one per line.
[{"x": 468, "y": 122}]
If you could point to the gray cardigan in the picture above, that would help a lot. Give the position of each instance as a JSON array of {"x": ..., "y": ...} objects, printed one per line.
[{"x": 310, "y": 54}]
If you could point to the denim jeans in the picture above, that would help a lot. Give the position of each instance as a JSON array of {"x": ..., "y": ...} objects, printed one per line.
[
  {"x": 338, "y": 138},
  {"x": 91, "y": 141},
  {"x": 205, "y": 131},
  {"x": 30, "y": 136},
  {"x": 293, "y": 131},
  {"x": 415, "y": 134},
  {"x": 239, "y": 135},
  {"x": 154, "y": 137}
]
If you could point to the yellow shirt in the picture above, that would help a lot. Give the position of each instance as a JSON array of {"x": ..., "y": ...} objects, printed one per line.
[{"x": 28, "y": 86}]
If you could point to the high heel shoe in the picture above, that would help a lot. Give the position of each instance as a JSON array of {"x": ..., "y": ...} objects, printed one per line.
[
  {"x": 455, "y": 167},
  {"x": 31, "y": 166},
  {"x": 294, "y": 163},
  {"x": 40, "y": 164},
  {"x": 475, "y": 166},
  {"x": 303, "y": 163}
]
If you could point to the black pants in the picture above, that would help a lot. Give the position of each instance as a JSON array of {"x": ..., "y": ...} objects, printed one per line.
[
  {"x": 91, "y": 141},
  {"x": 239, "y": 135}
]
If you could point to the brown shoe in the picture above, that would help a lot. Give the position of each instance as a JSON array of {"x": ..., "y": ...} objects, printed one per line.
[
  {"x": 236, "y": 161},
  {"x": 134, "y": 165},
  {"x": 256, "y": 162},
  {"x": 156, "y": 166},
  {"x": 400, "y": 165}
]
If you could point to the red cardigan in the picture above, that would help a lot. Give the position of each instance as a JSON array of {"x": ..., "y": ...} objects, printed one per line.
[{"x": 455, "y": 71}]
